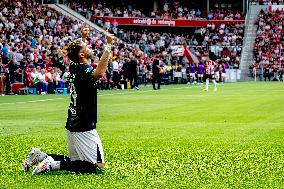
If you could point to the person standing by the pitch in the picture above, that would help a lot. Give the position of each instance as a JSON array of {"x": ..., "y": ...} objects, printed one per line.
[
  {"x": 210, "y": 67},
  {"x": 84, "y": 145},
  {"x": 156, "y": 76}
]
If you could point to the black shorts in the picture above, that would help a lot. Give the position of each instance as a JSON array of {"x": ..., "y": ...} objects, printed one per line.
[{"x": 209, "y": 76}]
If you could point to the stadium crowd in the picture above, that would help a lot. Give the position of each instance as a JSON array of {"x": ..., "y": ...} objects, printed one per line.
[
  {"x": 266, "y": 2},
  {"x": 268, "y": 46},
  {"x": 34, "y": 37},
  {"x": 32, "y": 41},
  {"x": 168, "y": 11},
  {"x": 224, "y": 40}
]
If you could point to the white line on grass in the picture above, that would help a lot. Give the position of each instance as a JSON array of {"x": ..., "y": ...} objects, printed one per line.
[
  {"x": 132, "y": 92},
  {"x": 31, "y": 101},
  {"x": 120, "y": 93}
]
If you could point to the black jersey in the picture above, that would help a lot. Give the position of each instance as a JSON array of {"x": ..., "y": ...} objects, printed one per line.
[
  {"x": 82, "y": 112},
  {"x": 155, "y": 68}
]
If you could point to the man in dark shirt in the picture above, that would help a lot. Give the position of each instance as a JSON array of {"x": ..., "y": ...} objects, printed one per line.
[
  {"x": 266, "y": 72},
  {"x": 156, "y": 73},
  {"x": 132, "y": 73},
  {"x": 84, "y": 144}
]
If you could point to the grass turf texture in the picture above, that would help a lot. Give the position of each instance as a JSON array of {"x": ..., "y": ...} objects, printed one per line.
[{"x": 177, "y": 137}]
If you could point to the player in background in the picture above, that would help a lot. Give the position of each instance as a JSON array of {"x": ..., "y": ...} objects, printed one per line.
[
  {"x": 210, "y": 67},
  {"x": 200, "y": 72},
  {"x": 223, "y": 72},
  {"x": 218, "y": 72},
  {"x": 192, "y": 72}
]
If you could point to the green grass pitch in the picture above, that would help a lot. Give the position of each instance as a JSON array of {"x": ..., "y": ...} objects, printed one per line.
[{"x": 178, "y": 137}]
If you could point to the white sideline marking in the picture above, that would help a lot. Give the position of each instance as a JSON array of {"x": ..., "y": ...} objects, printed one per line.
[
  {"x": 31, "y": 101},
  {"x": 139, "y": 91},
  {"x": 120, "y": 93}
]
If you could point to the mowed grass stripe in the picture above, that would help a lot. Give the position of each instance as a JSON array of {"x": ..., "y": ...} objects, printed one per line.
[{"x": 172, "y": 138}]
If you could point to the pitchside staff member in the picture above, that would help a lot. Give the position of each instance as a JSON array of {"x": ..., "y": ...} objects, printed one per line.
[
  {"x": 84, "y": 145},
  {"x": 156, "y": 73}
]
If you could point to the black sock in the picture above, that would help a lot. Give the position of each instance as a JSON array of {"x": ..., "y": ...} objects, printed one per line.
[
  {"x": 79, "y": 166},
  {"x": 59, "y": 157}
]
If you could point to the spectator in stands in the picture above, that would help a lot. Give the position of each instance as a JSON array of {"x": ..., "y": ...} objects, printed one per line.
[
  {"x": 31, "y": 37},
  {"x": 42, "y": 83},
  {"x": 268, "y": 44},
  {"x": 50, "y": 79},
  {"x": 169, "y": 11},
  {"x": 5, "y": 53},
  {"x": 266, "y": 2},
  {"x": 57, "y": 78},
  {"x": 42, "y": 35},
  {"x": 65, "y": 77}
]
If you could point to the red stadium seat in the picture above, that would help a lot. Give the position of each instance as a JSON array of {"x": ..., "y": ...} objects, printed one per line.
[{"x": 16, "y": 87}]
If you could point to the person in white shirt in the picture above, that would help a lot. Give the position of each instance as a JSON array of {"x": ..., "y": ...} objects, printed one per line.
[
  {"x": 57, "y": 78},
  {"x": 34, "y": 75},
  {"x": 41, "y": 84},
  {"x": 31, "y": 55},
  {"x": 65, "y": 77},
  {"x": 115, "y": 77}
]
